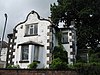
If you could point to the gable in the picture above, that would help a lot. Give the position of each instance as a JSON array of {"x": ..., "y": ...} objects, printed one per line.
[{"x": 32, "y": 17}]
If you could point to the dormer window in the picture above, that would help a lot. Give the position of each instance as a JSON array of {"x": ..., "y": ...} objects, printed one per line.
[{"x": 31, "y": 29}]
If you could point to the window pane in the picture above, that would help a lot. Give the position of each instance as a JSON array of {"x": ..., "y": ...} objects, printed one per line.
[
  {"x": 35, "y": 29},
  {"x": 31, "y": 31},
  {"x": 65, "y": 38},
  {"x": 25, "y": 52},
  {"x": 36, "y": 53}
]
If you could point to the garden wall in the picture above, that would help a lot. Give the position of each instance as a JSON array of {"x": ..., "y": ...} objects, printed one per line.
[{"x": 36, "y": 72}]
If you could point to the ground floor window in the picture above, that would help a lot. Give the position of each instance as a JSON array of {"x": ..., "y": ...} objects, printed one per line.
[{"x": 25, "y": 52}]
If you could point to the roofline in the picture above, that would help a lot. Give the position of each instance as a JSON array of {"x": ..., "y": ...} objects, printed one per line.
[{"x": 32, "y": 12}]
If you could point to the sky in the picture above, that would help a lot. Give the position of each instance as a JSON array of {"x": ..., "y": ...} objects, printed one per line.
[{"x": 17, "y": 10}]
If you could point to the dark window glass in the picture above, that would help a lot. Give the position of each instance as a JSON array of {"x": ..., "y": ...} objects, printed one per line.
[
  {"x": 64, "y": 38},
  {"x": 25, "y": 52},
  {"x": 31, "y": 29},
  {"x": 35, "y": 29}
]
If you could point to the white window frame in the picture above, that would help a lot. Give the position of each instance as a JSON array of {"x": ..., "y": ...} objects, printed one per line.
[{"x": 31, "y": 29}]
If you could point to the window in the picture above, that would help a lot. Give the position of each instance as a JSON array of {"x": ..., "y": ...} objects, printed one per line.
[
  {"x": 36, "y": 53},
  {"x": 31, "y": 29},
  {"x": 64, "y": 38},
  {"x": 25, "y": 52}
]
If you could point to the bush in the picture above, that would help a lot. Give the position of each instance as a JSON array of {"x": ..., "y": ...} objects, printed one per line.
[
  {"x": 33, "y": 65},
  {"x": 58, "y": 64},
  {"x": 87, "y": 68},
  {"x": 13, "y": 66}
]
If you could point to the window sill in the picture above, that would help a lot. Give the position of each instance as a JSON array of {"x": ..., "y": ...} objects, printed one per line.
[
  {"x": 65, "y": 43},
  {"x": 31, "y": 35},
  {"x": 23, "y": 61},
  {"x": 36, "y": 61}
]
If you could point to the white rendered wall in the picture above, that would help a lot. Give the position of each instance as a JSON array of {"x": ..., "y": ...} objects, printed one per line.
[{"x": 41, "y": 38}]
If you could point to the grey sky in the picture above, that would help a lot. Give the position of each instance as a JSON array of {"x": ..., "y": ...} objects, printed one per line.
[{"x": 17, "y": 11}]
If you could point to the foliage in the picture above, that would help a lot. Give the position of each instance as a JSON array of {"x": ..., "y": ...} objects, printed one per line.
[
  {"x": 80, "y": 11},
  {"x": 13, "y": 66},
  {"x": 59, "y": 52},
  {"x": 95, "y": 57},
  {"x": 33, "y": 65},
  {"x": 57, "y": 63},
  {"x": 87, "y": 68},
  {"x": 80, "y": 59},
  {"x": 60, "y": 58}
]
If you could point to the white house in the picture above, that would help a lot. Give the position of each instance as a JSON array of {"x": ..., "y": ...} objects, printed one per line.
[
  {"x": 34, "y": 40},
  {"x": 30, "y": 42}
]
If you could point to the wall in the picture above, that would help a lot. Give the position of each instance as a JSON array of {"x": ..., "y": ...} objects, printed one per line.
[{"x": 36, "y": 72}]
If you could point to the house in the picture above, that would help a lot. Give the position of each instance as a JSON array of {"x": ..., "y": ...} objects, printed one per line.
[
  {"x": 3, "y": 53},
  {"x": 34, "y": 39},
  {"x": 68, "y": 40},
  {"x": 30, "y": 41}
]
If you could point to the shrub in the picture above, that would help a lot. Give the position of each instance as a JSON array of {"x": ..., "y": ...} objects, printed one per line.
[
  {"x": 13, "y": 66},
  {"x": 58, "y": 64},
  {"x": 87, "y": 68},
  {"x": 33, "y": 65}
]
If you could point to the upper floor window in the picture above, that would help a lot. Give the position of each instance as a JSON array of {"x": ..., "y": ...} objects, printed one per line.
[
  {"x": 24, "y": 52},
  {"x": 31, "y": 29},
  {"x": 64, "y": 38}
]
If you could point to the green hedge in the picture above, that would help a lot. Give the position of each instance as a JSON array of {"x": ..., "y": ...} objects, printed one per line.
[{"x": 87, "y": 68}]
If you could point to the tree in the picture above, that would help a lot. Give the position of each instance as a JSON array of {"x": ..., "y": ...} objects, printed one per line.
[
  {"x": 60, "y": 53},
  {"x": 86, "y": 14}
]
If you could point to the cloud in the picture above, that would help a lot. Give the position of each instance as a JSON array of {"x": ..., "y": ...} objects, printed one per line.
[{"x": 17, "y": 11}]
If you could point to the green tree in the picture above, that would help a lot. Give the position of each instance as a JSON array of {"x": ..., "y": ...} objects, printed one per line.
[
  {"x": 60, "y": 53},
  {"x": 60, "y": 58},
  {"x": 85, "y": 13}
]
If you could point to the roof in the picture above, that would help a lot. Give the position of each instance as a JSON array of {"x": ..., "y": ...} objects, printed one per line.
[
  {"x": 4, "y": 44},
  {"x": 30, "y": 43}
]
